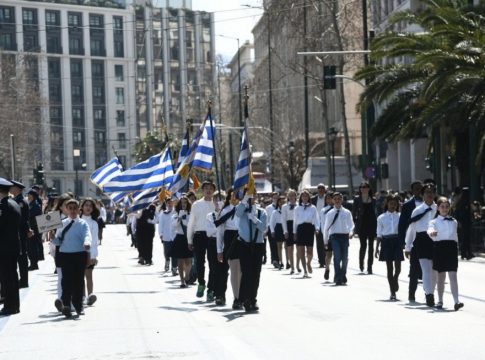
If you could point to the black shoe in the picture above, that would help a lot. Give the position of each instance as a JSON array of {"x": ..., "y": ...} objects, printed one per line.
[
  {"x": 344, "y": 280},
  {"x": 254, "y": 306},
  {"x": 236, "y": 305},
  {"x": 276, "y": 265},
  {"x": 220, "y": 301},
  {"x": 288, "y": 266},
  {"x": 247, "y": 306},
  {"x": 338, "y": 283},
  {"x": 369, "y": 271},
  {"x": 58, "y": 305},
  {"x": 327, "y": 274},
  {"x": 141, "y": 262},
  {"x": 458, "y": 306},
  {"x": 8, "y": 312},
  {"x": 321, "y": 266},
  {"x": 298, "y": 269},
  {"x": 80, "y": 311},
  {"x": 393, "y": 297},
  {"x": 66, "y": 311},
  {"x": 411, "y": 298},
  {"x": 264, "y": 259},
  {"x": 430, "y": 300}
]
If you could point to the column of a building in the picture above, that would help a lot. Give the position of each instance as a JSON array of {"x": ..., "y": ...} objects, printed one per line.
[
  {"x": 182, "y": 66},
  {"x": 167, "y": 89}
]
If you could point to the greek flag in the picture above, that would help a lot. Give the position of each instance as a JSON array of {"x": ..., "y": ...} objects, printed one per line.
[
  {"x": 243, "y": 164},
  {"x": 106, "y": 172},
  {"x": 152, "y": 173},
  {"x": 183, "y": 171},
  {"x": 116, "y": 197},
  {"x": 205, "y": 148},
  {"x": 184, "y": 149},
  {"x": 141, "y": 199}
]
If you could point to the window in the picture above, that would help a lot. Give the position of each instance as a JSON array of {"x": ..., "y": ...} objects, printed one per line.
[
  {"x": 51, "y": 18},
  {"x": 54, "y": 68},
  {"x": 54, "y": 93},
  {"x": 77, "y": 137},
  {"x": 98, "y": 92},
  {"x": 30, "y": 42},
  {"x": 97, "y": 48},
  {"x": 28, "y": 17},
  {"x": 122, "y": 140},
  {"x": 6, "y": 41},
  {"x": 74, "y": 46},
  {"x": 74, "y": 19},
  {"x": 119, "y": 72},
  {"x": 99, "y": 137},
  {"x": 120, "y": 95},
  {"x": 118, "y": 22},
  {"x": 97, "y": 68},
  {"x": 120, "y": 118},
  {"x": 118, "y": 47},
  {"x": 98, "y": 114},
  {"x": 76, "y": 91},
  {"x": 5, "y": 15},
  {"x": 96, "y": 21},
  {"x": 77, "y": 117},
  {"x": 76, "y": 69},
  {"x": 53, "y": 44}
]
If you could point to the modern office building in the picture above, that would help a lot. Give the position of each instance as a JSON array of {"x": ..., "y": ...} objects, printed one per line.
[{"x": 85, "y": 55}]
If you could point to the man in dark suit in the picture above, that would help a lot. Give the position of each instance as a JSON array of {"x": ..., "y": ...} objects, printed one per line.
[
  {"x": 406, "y": 211},
  {"x": 16, "y": 191},
  {"x": 319, "y": 201},
  {"x": 35, "y": 237},
  {"x": 9, "y": 250}
]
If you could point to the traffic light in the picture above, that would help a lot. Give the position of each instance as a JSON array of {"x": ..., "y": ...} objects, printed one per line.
[
  {"x": 39, "y": 174},
  {"x": 449, "y": 162},
  {"x": 429, "y": 163},
  {"x": 329, "y": 80},
  {"x": 384, "y": 171}
]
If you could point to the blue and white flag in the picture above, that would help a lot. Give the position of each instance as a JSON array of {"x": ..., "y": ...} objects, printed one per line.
[
  {"x": 183, "y": 171},
  {"x": 152, "y": 173},
  {"x": 241, "y": 178},
  {"x": 184, "y": 150},
  {"x": 106, "y": 172},
  {"x": 116, "y": 197},
  {"x": 141, "y": 199},
  {"x": 205, "y": 148}
]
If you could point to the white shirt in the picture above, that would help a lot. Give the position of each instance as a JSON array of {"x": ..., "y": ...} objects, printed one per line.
[
  {"x": 102, "y": 213},
  {"x": 387, "y": 224},
  {"x": 276, "y": 218},
  {"x": 210, "y": 227},
  {"x": 421, "y": 225},
  {"x": 269, "y": 210},
  {"x": 343, "y": 225},
  {"x": 176, "y": 222},
  {"x": 323, "y": 214},
  {"x": 198, "y": 217},
  {"x": 306, "y": 215},
  {"x": 93, "y": 228},
  {"x": 230, "y": 224},
  {"x": 287, "y": 214},
  {"x": 446, "y": 229},
  {"x": 165, "y": 225},
  {"x": 320, "y": 203}
]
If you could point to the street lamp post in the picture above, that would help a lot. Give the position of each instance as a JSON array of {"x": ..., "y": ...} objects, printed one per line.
[
  {"x": 76, "y": 154},
  {"x": 291, "y": 148},
  {"x": 332, "y": 137}
]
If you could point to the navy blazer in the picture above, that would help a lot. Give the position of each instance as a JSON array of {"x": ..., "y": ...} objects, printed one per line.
[{"x": 406, "y": 211}]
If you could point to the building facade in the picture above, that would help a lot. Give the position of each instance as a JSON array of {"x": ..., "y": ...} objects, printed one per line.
[{"x": 84, "y": 53}]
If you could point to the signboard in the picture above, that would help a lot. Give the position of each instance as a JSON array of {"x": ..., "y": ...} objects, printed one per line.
[{"x": 49, "y": 221}]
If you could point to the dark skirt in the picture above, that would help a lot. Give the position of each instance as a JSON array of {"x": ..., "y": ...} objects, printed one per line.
[
  {"x": 391, "y": 249},
  {"x": 278, "y": 233},
  {"x": 305, "y": 234},
  {"x": 231, "y": 245},
  {"x": 424, "y": 246},
  {"x": 291, "y": 238},
  {"x": 180, "y": 248},
  {"x": 445, "y": 256}
]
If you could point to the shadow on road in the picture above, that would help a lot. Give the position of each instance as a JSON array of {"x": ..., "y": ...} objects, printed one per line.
[
  {"x": 173, "y": 308},
  {"x": 128, "y": 292}
]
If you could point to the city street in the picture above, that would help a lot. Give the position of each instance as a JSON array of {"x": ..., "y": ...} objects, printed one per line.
[{"x": 141, "y": 313}]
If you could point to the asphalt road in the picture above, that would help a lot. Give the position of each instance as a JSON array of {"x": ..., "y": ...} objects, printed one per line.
[{"x": 141, "y": 313}]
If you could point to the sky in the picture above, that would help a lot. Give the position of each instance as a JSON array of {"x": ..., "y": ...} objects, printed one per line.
[{"x": 232, "y": 20}]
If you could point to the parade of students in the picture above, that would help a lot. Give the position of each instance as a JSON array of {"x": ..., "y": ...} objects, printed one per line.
[
  {"x": 338, "y": 230},
  {"x": 90, "y": 214},
  {"x": 443, "y": 229},
  {"x": 180, "y": 248},
  {"x": 306, "y": 223},
  {"x": 276, "y": 229},
  {"x": 323, "y": 215},
  {"x": 391, "y": 248},
  {"x": 166, "y": 236},
  {"x": 287, "y": 216},
  {"x": 417, "y": 236}
]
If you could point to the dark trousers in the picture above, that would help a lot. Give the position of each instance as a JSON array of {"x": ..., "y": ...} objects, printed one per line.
[
  {"x": 320, "y": 249},
  {"x": 203, "y": 245},
  {"x": 414, "y": 272},
  {"x": 167, "y": 250},
  {"x": 250, "y": 256},
  {"x": 273, "y": 248},
  {"x": 340, "y": 247},
  {"x": 23, "y": 262},
  {"x": 9, "y": 281},
  {"x": 145, "y": 247},
  {"x": 73, "y": 266},
  {"x": 364, "y": 240},
  {"x": 40, "y": 247},
  {"x": 222, "y": 274},
  {"x": 33, "y": 250},
  {"x": 393, "y": 271}
]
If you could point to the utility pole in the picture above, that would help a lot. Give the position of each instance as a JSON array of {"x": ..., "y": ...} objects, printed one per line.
[
  {"x": 270, "y": 87},
  {"x": 305, "y": 88}
]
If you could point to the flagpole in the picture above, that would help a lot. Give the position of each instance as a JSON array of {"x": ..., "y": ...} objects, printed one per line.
[
  {"x": 116, "y": 154},
  {"x": 209, "y": 114}
]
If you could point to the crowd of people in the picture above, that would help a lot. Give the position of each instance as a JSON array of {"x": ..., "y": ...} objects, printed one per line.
[{"x": 235, "y": 234}]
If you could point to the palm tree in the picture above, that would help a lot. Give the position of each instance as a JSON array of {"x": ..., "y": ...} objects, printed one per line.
[{"x": 441, "y": 83}]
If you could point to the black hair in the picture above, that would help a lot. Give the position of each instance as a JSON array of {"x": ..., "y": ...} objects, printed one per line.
[
  {"x": 304, "y": 192},
  {"x": 428, "y": 186},
  {"x": 392, "y": 197},
  {"x": 227, "y": 201},
  {"x": 178, "y": 207},
  {"x": 95, "y": 213},
  {"x": 365, "y": 184}
]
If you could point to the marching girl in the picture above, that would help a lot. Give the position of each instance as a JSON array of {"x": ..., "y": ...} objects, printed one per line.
[
  {"x": 305, "y": 224},
  {"x": 323, "y": 214},
  {"x": 276, "y": 228},
  {"x": 443, "y": 231},
  {"x": 180, "y": 249},
  {"x": 391, "y": 248},
  {"x": 227, "y": 248},
  {"x": 287, "y": 216},
  {"x": 90, "y": 214}
]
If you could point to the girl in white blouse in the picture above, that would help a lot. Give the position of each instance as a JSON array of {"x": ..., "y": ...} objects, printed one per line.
[
  {"x": 443, "y": 231},
  {"x": 180, "y": 249},
  {"x": 276, "y": 228},
  {"x": 391, "y": 248},
  {"x": 287, "y": 216},
  {"x": 305, "y": 224}
]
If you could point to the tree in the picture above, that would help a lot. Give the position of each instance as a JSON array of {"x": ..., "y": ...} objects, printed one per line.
[{"x": 441, "y": 86}]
